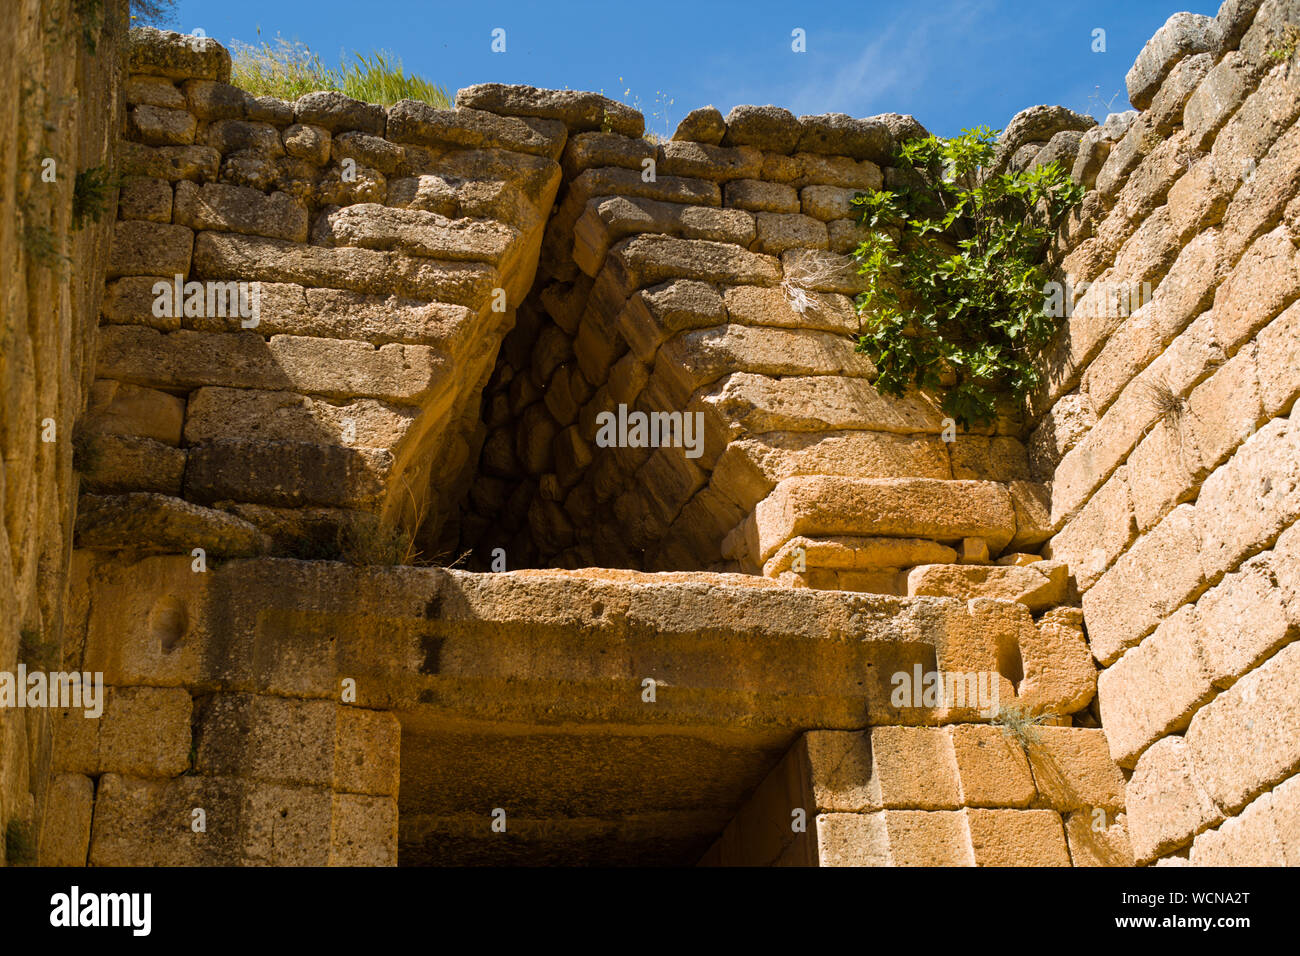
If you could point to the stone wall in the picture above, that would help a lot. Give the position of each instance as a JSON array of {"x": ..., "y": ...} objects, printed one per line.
[
  {"x": 389, "y": 249},
  {"x": 709, "y": 276},
  {"x": 1169, "y": 437},
  {"x": 439, "y": 339},
  {"x": 58, "y": 118},
  {"x": 614, "y": 716}
]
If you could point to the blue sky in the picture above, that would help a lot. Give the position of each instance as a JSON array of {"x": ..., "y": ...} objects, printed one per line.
[{"x": 951, "y": 63}]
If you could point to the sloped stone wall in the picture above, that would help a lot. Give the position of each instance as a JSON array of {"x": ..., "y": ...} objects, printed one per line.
[
  {"x": 58, "y": 118},
  {"x": 1169, "y": 437},
  {"x": 387, "y": 250}
]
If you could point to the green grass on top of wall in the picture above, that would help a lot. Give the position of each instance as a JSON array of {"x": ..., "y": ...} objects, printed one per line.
[{"x": 287, "y": 69}]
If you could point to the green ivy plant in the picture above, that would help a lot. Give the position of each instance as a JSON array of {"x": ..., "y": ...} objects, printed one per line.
[{"x": 954, "y": 270}]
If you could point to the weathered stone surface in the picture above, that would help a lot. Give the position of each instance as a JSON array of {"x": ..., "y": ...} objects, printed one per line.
[
  {"x": 304, "y": 141},
  {"x": 595, "y": 150},
  {"x": 846, "y": 235},
  {"x": 267, "y": 109},
  {"x": 1233, "y": 20},
  {"x": 150, "y": 249},
  {"x": 366, "y": 150},
  {"x": 818, "y": 403},
  {"x": 111, "y": 464},
  {"x": 815, "y": 270},
  {"x": 1060, "y": 430},
  {"x": 851, "y": 839},
  {"x": 1182, "y": 35},
  {"x": 1243, "y": 620},
  {"x": 169, "y": 162},
  {"x": 778, "y": 232},
  {"x": 1061, "y": 149},
  {"x": 1073, "y": 770},
  {"x": 1149, "y": 581},
  {"x": 1017, "y": 838},
  {"x": 991, "y": 767},
  {"x": 819, "y": 170},
  {"x": 166, "y": 53},
  {"x": 650, "y": 259},
  {"x": 418, "y": 233},
  {"x": 902, "y": 126},
  {"x": 116, "y": 408},
  {"x": 838, "y": 134},
  {"x": 145, "y": 198},
  {"x": 153, "y": 522},
  {"x": 654, "y": 314},
  {"x": 767, "y": 306},
  {"x": 1096, "y": 143},
  {"x": 1217, "y": 98},
  {"x": 65, "y": 832},
  {"x": 609, "y": 220},
  {"x": 1167, "y": 805},
  {"x": 240, "y": 209},
  {"x": 849, "y": 553},
  {"x": 613, "y": 181},
  {"x": 759, "y": 196},
  {"x": 154, "y": 91},
  {"x": 710, "y": 162},
  {"x": 278, "y": 826},
  {"x": 322, "y": 366},
  {"x": 1156, "y": 687},
  {"x": 698, "y": 358},
  {"x": 159, "y": 126},
  {"x": 1090, "y": 846},
  {"x": 287, "y": 473},
  {"x": 1139, "y": 406},
  {"x": 703, "y": 125},
  {"x": 828, "y": 202},
  {"x": 298, "y": 742},
  {"x": 211, "y": 100},
  {"x": 143, "y": 731},
  {"x": 1264, "y": 282},
  {"x": 577, "y": 110},
  {"x": 1278, "y": 362},
  {"x": 922, "y": 838},
  {"x": 232, "y": 136},
  {"x": 1265, "y": 196},
  {"x": 221, "y": 255},
  {"x": 410, "y": 121},
  {"x": 1037, "y": 124},
  {"x": 1252, "y": 839},
  {"x": 1244, "y": 505},
  {"x": 1180, "y": 297},
  {"x": 1036, "y": 586},
  {"x": 833, "y": 506},
  {"x": 768, "y": 127},
  {"x": 751, "y": 467},
  {"x": 1241, "y": 743},
  {"x": 234, "y": 413},
  {"x": 332, "y": 111}
]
